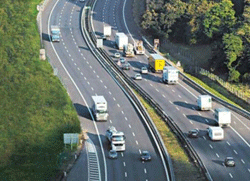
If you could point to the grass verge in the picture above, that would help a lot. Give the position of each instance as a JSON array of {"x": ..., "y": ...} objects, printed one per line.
[{"x": 184, "y": 169}]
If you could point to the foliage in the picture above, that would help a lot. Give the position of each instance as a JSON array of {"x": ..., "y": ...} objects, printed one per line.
[
  {"x": 35, "y": 108},
  {"x": 233, "y": 75}
]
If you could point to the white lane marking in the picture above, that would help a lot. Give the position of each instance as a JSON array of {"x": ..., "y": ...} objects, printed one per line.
[
  {"x": 140, "y": 151},
  {"x": 97, "y": 76},
  {"x": 88, "y": 82},
  {"x": 204, "y": 138},
  {"x": 199, "y": 113},
  {"x": 81, "y": 73},
  {"x": 231, "y": 175},
  {"x": 92, "y": 88},
  {"x": 240, "y": 136},
  {"x": 177, "y": 108},
  {"x": 126, "y": 118},
  {"x": 151, "y": 84},
  {"x": 122, "y": 154},
  {"x": 126, "y": 174},
  {"x": 90, "y": 66},
  {"x": 184, "y": 115},
  {"x": 157, "y": 90},
  {"x": 133, "y": 133},
  {"x": 110, "y": 121},
  {"x": 242, "y": 161},
  {"x": 72, "y": 59},
  {"x": 179, "y": 96},
  {"x": 191, "y": 122},
  {"x": 118, "y": 105},
  {"x": 145, "y": 171},
  {"x": 170, "y": 102},
  {"x": 146, "y": 80},
  {"x": 248, "y": 169},
  {"x": 129, "y": 126},
  {"x": 193, "y": 108},
  {"x": 114, "y": 98},
  {"x": 124, "y": 164},
  {"x": 94, "y": 71},
  {"x": 235, "y": 152},
  {"x": 163, "y": 95},
  {"x": 105, "y": 87},
  {"x": 78, "y": 68},
  {"x": 69, "y": 55},
  {"x": 109, "y": 92},
  {"x": 217, "y": 155},
  {"x": 87, "y": 62},
  {"x": 136, "y": 142},
  {"x": 186, "y": 102},
  {"x": 122, "y": 112},
  {"x": 228, "y": 143},
  {"x": 85, "y": 78},
  {"x": 206, "y": 120},
  {"x": 173, "y": 90},
  {"x": 211, "y": 146}
]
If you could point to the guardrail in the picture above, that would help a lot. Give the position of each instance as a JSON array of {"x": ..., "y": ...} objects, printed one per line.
[{"x": 154, "y": 104}]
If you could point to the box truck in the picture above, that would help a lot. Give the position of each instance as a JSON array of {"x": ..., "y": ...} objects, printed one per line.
[
  {"x": 121, "y": 40},
  {"x": 170, "y": 75},
  {"x": 204, "y": 102},
  {"x": 100, "y": 108},
  {"x": 222, "y": 116},
  {"x": 156, "y": 63},
  {"x": 116, "y": 139},
  {"x": 106, "y": 32},
  {"x": 215, "y": 133}
]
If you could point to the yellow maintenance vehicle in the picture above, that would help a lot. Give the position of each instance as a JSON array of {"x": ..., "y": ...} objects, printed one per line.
[
  {"x": 138, "y": 47},
  {"x": 156, "y": 63}
]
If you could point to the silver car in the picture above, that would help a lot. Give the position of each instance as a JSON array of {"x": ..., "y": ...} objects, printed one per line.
[{"x": 138, "y": 77}]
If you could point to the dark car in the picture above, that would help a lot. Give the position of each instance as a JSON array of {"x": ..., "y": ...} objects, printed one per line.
[
  {"x": 229, "y": 162},
  {"x": 193, "y": 133},
  {"x": 126, "y": 66},
  {"x": 145, "y": 156},
  {"x": 112, "y": 154}
]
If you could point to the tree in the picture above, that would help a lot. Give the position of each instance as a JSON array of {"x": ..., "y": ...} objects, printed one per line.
[{"x": 219, "y": 19}]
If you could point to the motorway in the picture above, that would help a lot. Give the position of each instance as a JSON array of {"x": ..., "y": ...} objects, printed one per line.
[
  {"x": 179, "y": 101},
  {"x": 83, "y": 77}
]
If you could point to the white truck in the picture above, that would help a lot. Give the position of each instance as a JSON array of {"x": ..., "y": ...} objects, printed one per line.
[
  {"x": 204, "y": 102},
  {"x": 215, "y": 133},
  {"x": 100, "y": 108},
  {"x": 121, "y": 39},
  {"x": 116, "y": 139},
  {"x": 139, "y": 48},
  {"x": 129, "y": 50},
  {"x": 222, "y": 116},
  {"x": 55, "y": 33},
  {"x": 170, "y": 75},
  {"x": 106, "y": 32}
]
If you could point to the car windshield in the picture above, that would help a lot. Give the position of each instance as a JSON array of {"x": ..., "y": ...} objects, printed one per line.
[{"x": 145, "y": 153}]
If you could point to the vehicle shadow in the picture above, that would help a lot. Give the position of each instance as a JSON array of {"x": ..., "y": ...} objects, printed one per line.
[
  {"x": 45, "y": 37},
  {"x": 185, "y": 105},
  {"x": 82, "y": 111},
  {"x": 219, "y": 162},
  {"x": 201, "y": 119}
]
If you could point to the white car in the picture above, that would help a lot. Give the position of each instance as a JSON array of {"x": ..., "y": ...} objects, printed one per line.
[
  {"x": 117, "y": 55},
  {"x": 82, "y": 0},
  {"x": 138, "y": 77},
  {"x": 144, "y": 70}
]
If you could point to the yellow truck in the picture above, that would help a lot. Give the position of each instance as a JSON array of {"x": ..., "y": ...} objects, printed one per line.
[{"x": 156, "y": 63}]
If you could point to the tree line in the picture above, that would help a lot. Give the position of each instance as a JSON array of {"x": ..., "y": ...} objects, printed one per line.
[
  {"x": 35, "y": 109},
  {"x": 212, "y": 22}
]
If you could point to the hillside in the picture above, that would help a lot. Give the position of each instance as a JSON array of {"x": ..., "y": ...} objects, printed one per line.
[{"x": 35, "y": 109}]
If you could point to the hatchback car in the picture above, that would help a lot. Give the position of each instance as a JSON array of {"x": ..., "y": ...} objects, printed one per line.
[
  {"x": 144, "y": 70},
  {"x": 193, "y": 133},
  {"x": 138, "y": 77},
  {"x": 122, "y": 60},
  {"x": 229, "y": 162},
  {"x": 117, "y": 55},
  {"x": 113, "y": 154},
  {"x": 145, "y": 156}
]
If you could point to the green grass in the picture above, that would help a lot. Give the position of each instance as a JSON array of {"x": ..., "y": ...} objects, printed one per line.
[{"x": 184, "y": 169}]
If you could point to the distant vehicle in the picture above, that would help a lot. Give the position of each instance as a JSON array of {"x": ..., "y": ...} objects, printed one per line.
[
  {"x": 113, "y": 154},
  {"x": 170, "y": 75},
  {"x": 145, "y": 156},
  {"x": 139, "y": 48},
  {"x": 126, "y": 66},
  {"x": 215, "y": 133},
  {"x": 122, "y": 60},
  {"x": 117, "y": 55},
  {"x": 106, "y": 32},
  {"x": 229, "y": 162},
  {"x": 144, "y": 70},
  {"x": 100, "y": 108},
  {"x": 55, "y": 33},
  {"x": 138, "y": 77},
  {"x": 121, "y": 40},
  {"x": 193, "y": 133},
  {"x": 204, "y": 102},
  {"x": 82, "y": 0},
  {"x": 222, "y": 116},
  {"x": 156, "y": 62}
]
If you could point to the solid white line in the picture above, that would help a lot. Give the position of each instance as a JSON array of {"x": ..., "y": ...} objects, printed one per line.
[{"x": 240, "y": 136}]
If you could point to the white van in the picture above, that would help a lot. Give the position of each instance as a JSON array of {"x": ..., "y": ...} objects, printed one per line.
[{"x": 215, "y": 133}]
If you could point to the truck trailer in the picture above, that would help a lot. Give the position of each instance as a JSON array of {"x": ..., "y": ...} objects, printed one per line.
[
  {"x": 116, "y": 139},
  {"x": 121, "y": 40},
  {"x": 204, "y": 102},
  {"x": 100, "y": 108},
  {"x": 156, "y": 63},
  {"x": 222, "y": 116},
  {"x": 139, "y": 48},
  {"x": 170, "y": 75},
  {"x": 215, "y": 133},
  {"x": 55, "y": 33}
]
